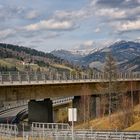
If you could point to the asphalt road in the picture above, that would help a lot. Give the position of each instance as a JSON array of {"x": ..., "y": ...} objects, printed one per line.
[{"x": 12, "y": 112}]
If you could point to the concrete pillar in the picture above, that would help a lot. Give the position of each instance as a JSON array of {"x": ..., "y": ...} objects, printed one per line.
[
  {"x": 98, "y": 107},
  {"x": 40, "y": 111},
  {"x": 55, "y": 115},
  {"x": 93, "y": 107},
  {"x": 88, "y": 109},
  {"x": 136, "y": 95}
]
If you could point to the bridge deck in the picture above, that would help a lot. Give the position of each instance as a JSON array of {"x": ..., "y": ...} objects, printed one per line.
[{"x": 9, "y": 79}]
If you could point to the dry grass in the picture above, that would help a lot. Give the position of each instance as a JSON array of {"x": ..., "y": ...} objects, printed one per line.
[
  {"x": 134, "y": 127},
  {"x": 3, "y": 62},
  {"x": 104, "y": 122}
]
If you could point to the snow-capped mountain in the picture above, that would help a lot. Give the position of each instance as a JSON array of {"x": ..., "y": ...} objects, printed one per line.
[
  {"x": 73, "y": 55},
  {"x": 126, "y": 53},
  {"x": 83, "y": 52},
  {"x": 79, "y": 51},
  {"x": 67, "y": 55}
]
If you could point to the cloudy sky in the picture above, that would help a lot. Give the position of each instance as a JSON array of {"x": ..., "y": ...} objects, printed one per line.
[{"x": 65, "y": 24}]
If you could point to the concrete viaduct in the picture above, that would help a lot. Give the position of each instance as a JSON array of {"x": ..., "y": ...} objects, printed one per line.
[{"x": 33, "y": 87}]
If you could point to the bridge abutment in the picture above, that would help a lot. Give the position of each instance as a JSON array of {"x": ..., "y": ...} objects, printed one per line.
[{"x": 40, "y": 111}]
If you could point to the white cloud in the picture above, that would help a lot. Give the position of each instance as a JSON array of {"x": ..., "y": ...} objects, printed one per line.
[
  {"x": 32, "y": 14},
  {"x": 51, "y": 24},
  {"x": 113, "y": 13},
  {"x": 128, "y": 26},
  {"x": 6, "y": 33},
  {"x": 88, "y": 43},
  {"x": 97, "y": 30},
  {"x": 72, "y": 15}
]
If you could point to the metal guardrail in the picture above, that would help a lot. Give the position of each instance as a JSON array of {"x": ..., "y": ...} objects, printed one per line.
[
  {"x": 36, "y": 78},
  {"x": 52, "y": 130},
  {"x": 62, "y": 101},
  {"x": 107, "y": 134},
  {"x": 8, "y": 130},
  {"x": 62, "y": 131}
]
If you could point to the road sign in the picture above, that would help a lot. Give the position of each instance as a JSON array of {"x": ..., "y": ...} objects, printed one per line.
[{"x": 72, "y": 114}]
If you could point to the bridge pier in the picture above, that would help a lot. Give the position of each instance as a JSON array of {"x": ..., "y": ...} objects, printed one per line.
[
  {"x": 55, "y": 115},
  {"x": 88, "y": 107},
  {"x": 40, "y": 111},
  {"x": 97, "y": 106},
  {"x": 136, "y": 97}
]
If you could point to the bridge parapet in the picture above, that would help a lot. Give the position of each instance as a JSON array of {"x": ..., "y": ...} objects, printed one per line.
[{"x": 35, "y": 78}]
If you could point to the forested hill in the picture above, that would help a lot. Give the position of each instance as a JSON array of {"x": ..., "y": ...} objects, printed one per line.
[
  {"x": 13, "y": 55},
  {"x": 8, "y": 50}
]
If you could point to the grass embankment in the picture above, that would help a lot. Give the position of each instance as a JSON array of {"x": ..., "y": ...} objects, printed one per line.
[
  {"x": 136, "y": 125},
  {"x": 117, "y": 121}
]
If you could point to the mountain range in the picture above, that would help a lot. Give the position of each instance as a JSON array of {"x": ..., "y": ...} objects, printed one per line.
[{"x": 126, "y": 53}]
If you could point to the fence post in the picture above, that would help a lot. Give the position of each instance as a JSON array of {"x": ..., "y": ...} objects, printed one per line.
[
  {"x": 43, "y": 77},
  {"x": 10, "y": 78},
  {"x": 36, "y": 77},
  {"x": 23, "y": 135},
  {"x": 1, "y": 78},
  {"x": 121, "y": 137},
  {"x": 15, "y": 131},
  {"x": 28, "y": 77},
  {"x": 19, "y": 77},
  {"x": 137, "y": 137},
  {"x": 32, "y": 131},
  {"x": 95, "y": 136}
]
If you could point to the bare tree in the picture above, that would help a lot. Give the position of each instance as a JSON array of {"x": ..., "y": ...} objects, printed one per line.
[{"x": 110, "y": 71}]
